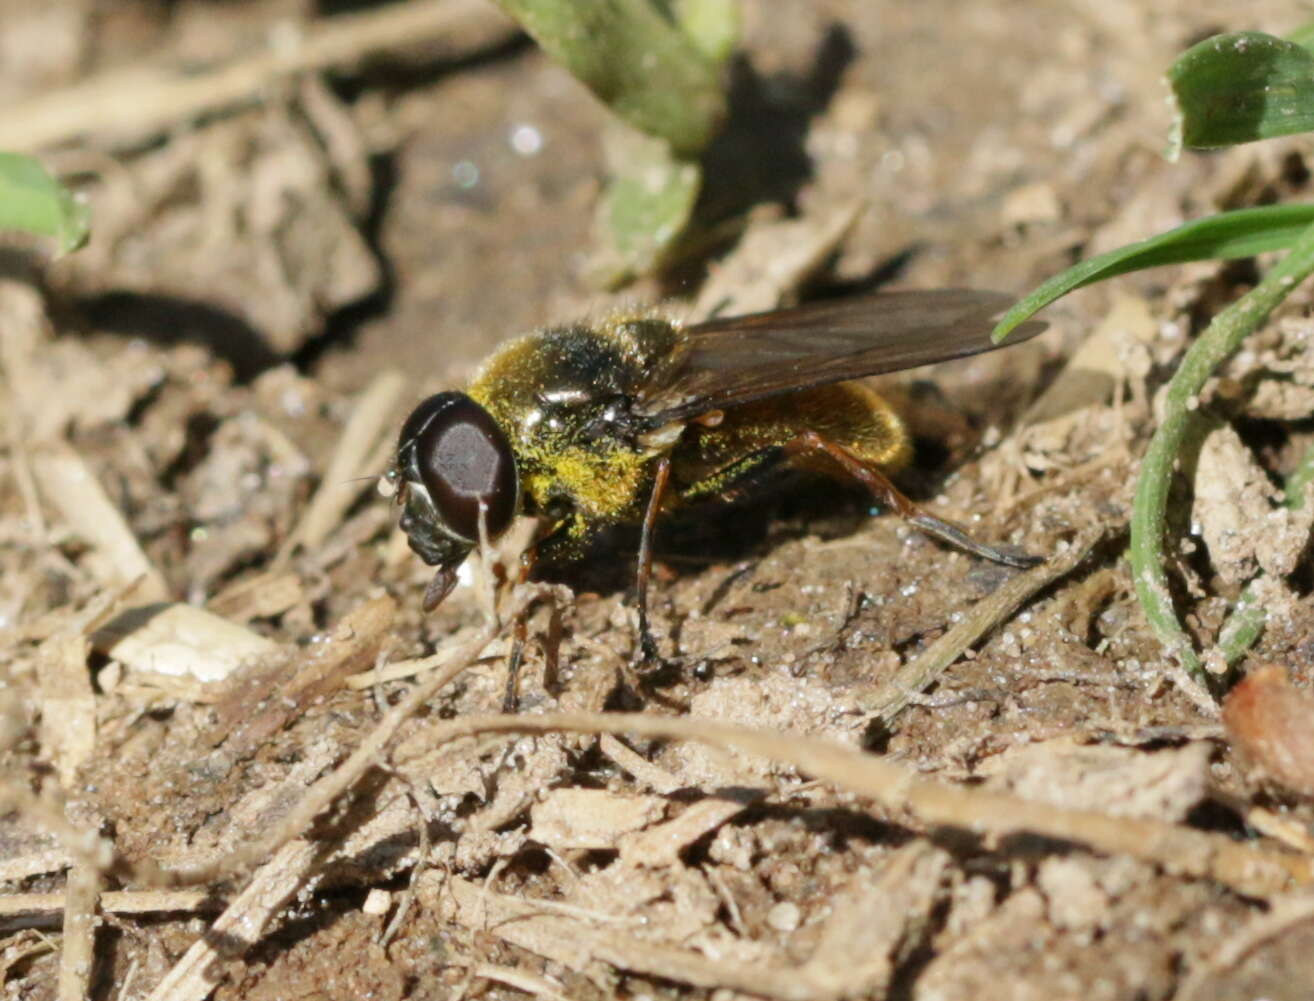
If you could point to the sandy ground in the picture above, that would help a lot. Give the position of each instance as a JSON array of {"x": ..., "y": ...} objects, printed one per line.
[{"x": 207, "y": 611}]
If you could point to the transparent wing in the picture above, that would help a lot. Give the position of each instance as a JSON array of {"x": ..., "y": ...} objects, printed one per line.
[{"x": 732, "y": 361}]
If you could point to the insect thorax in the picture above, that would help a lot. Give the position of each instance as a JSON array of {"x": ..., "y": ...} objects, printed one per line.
[{"x": 564, "y": 395}]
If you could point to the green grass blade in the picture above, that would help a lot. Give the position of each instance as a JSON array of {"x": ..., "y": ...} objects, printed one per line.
[
  {"x": 34, "y": 202},
  {"x": 1242, "y": 233},
  {"x": 1214, "y": 346},
  {"x": 1241, "y": 87}
]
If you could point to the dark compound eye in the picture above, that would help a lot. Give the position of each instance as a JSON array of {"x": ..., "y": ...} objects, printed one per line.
[{"x": 462, "y": 458}]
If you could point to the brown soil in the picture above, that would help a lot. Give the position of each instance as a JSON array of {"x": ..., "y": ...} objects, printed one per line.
[{"x": 257, "y": 278}]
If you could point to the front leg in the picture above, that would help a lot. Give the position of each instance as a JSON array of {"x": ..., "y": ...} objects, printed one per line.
[
  {"x": 520, "y": 630},
  {"x": 519, "y": 635}
]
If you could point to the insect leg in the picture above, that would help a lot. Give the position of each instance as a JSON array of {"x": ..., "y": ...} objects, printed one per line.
[
  {"x": 810, "y": 444},
  {"x": 648, "y": 645},
  {"x": 519, "y": 635}
]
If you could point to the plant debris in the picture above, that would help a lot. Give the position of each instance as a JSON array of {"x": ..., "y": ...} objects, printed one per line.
[{"x": 873, "y": 767}]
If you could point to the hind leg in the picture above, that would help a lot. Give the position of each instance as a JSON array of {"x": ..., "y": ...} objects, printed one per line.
[
  {"x": 647, "y": 644},
  {"x": 809, "y": 444},
  {"x": 843, "y": 431}
]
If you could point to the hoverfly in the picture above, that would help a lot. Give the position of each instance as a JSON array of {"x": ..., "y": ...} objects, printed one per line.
[{"x": 590, "y": 425}]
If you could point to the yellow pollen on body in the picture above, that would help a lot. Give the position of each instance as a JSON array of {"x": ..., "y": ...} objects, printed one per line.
[{"x": 605, "y": 486}]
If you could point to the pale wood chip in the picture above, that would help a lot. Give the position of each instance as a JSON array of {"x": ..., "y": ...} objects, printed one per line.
[
  {"x": 772, "y": 261},
  {"x": 661, "y": 845},
  {"x": 591, "y": 818},
  {"x": 874, "y": 922},
  {"x": 582, "y": 947},
  {"x": 68, "y": 483},
  {"x": 377, "y": 903},
  {"x": 182, "y": 640},
  {"x": 260, "y": 597},
  {"x": 365, "y": 432},
  {"x": 1123, "y": 781},
  {"x": 655, "y": 777},
  {"x": 1090, "y": 376},
  {"x": 1031, "y": 203},
  {"x": 1239, "y": 515}
]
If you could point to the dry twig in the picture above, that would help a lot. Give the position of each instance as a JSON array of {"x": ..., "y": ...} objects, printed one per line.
[
  {"x": 43, "y": 908},
  {"x": 127, "y": 106},
  {"x": 330, "y": 787},
  {"x": 240, "y": 926},
  {"x": 71, "y": 486},
  {"x": 370, "y": 418},
  {"x": 915, "y": 676},
  {"x": 1244, "y": 867},
  {"x": 77, "y": 957}
]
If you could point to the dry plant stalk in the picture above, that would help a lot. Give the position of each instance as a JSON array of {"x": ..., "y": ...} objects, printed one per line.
[
  {"x": 128, "y": 106},
  {"x": 71, "y": 486},
  {"x": 917, "y": 675},
  {"x": 1243, "y": 867},
  {"x": 402, "y": 669},
  {"x": 320, "y": 795},
  {"x": 522, "y": 980},
  {"x": 240, "y": 926},
  {"x": 42, "y": 908},
  {"x": 357, "y": 447},
  {"x": 78, "y": 944},
  {"x": 68, "y": 704}
]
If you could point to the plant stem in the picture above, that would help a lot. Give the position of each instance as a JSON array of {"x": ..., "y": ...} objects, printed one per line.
[
  {"x": 1243, "y": 626},
  {"x": 1218, "y": 342},
  {"x": 1248, "y": 617},
  {"x": 1293, "y": 492}
]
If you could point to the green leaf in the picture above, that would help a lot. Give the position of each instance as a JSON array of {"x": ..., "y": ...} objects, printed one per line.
[
  {"x": 1239, "y": 88},
  {"x": 1242, "y": 233},
  {"x": 712, "y": 25},
  {"x": 637, "y": 57},
  {"x": 645, "y": 209},
  {"x": 34, "y": 202},
  {"x": 1303, "y": 36}
]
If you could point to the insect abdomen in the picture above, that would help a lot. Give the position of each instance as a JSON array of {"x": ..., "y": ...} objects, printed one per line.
[{"x": 710, "y": 458}]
